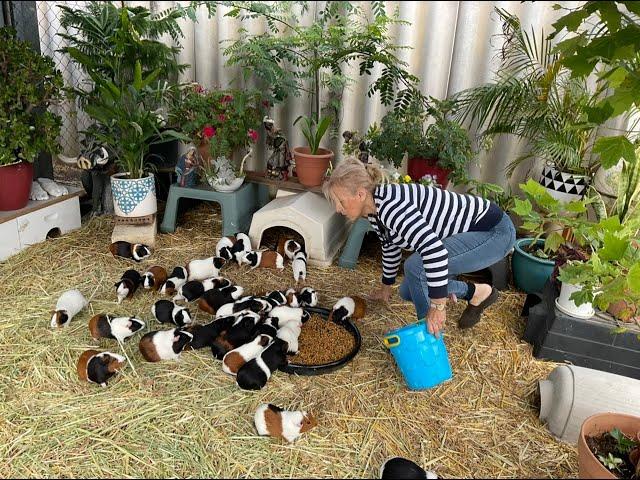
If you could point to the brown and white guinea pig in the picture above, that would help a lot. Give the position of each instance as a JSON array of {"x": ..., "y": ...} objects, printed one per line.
[
  {"x": 308, "y": 297},
  {"x": 241, "y": 246},
  {"x": 293, "y": 300},
  {"x": 398, "y": 467},
  {"x": 133, "y": 251},
  {"x": 205, "y": 335},
  {"x": 236, "y": 358},
  {"x": 96, "y": 367},
  {"x": 194, "y": 289},
  {"x": 154, "y": 278},
  {"x": 69, "y": 304},
  {"x": 165, "y": 311},
  {"x": 164, "y": 344},
  {"x": 299, "y": 266},
  {"x": 255, "y": 374},
  {"x": 286, "y": 314},
  {"x": 203, "y": 268},
  {"x": 348, "y": 307},
  {"x": 276, "y": 422},
  {"x": 127, "y": 285},
  {"x": 177, "y": 278},
  {"x": 263, "y": 259},
  {"x": 212, "y": 300},
  {"x": 118, "y": 328},
  {"x": 224, "y": 246},
  {"x": 256, "y": 304}
]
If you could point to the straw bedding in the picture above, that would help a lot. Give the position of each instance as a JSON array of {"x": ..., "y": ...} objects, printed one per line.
[{"x": 188, "y": 419}]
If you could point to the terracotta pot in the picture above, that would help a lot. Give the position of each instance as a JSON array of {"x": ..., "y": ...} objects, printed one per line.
[
  {"x": 15, "y": 185},
  {"x": 311, "y": 168},
  {"x": 419, "y": 167},
  {"x": 588, "y": 464}
]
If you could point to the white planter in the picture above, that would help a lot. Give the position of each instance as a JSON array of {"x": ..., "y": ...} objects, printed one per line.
[
  {"x": 565, "y": 187},
  {"x": 220, "y": 187},
  {"x": 133, "y": 197},
  {"x": 565, "y": 305}
]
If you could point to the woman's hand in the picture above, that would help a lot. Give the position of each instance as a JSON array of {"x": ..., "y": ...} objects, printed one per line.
[
  {"x": 380, "y": 294},
  {"x": 435, "y": 321}
]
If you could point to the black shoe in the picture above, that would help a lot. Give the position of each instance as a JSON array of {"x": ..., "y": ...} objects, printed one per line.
[{"x": 472, "y": 313}]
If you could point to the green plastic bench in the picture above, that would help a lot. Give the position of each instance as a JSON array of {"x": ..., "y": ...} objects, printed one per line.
[
  {"x": 351, "y": 250},
  {"x": 237, "y": 207}
]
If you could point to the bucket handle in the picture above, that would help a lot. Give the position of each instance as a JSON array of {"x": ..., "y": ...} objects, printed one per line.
[{"x": 391, "y": 341}]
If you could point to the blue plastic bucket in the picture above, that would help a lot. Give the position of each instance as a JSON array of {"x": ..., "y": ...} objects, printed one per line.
[{"x": 421, "y": 357}]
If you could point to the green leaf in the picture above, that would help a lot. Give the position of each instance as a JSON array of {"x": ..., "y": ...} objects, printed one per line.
[
  {"x": 579, "y": 66},
  {"x": 522, "y": 207},
  {"x": 617, "y": 330},
  {"x": 613, "y": 248},
  {"x": 610, "y": 224},
  {"x": 571, "y": 20},
  {"x": 633, "y": 278},
  {"x": 617, "y": 76},
  {"x": 137, "y": 75},
  {"x": 612, "y": 149},
  {"x": 553, "y": 241},
  {"x": 577, "y": 206}
]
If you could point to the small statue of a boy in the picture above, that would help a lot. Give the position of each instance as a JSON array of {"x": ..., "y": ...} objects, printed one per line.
[{"x": 280, "y": 163}]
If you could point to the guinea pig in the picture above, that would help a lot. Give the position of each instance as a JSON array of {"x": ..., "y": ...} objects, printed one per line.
[
  {"x": 348, "y": 307},
  {"x": 266, "y": 328},
  {"x": 398, "y": 467},
  {"x": 201, "y": 269},
  {"x": 241, "y": 246},
  {"x": 278, "y": 296},
  {"x": 164, "y": 344},
  {"x": 224, "y": 246},
  {"x": 127, "y": 285},
  {"x": 290, "y": 332},
  {"x": 254, "y": 374},
  {"x": 293, "y": 299},
  {"x": 194, "y": 289},
  {"x": 308, "y": 297},
  {"x": 96, "y": 367},
  {"x": 69, "y": 304},
  {"x": 236, "y": 358},
  {"x": 134, "y": 251},
  {"x": 255, "y": 304},
  {"x": 205, "y": 335},
  {"x": 212, "y": 300},
  {"x": 286, "y": 314},
  {"x": 299, "y": 266},
  {"x": 154, "y": 278},
  {"x": 177, "y": 278},
  {"x": 242, "y": 329},
  {"x": 291, "y": 247},
  {"x": 165, "y": 311},
  {"x": 118, "y": 328},
  {"x": 275, "y": 422},
  {"x": 263, "y": 259}
]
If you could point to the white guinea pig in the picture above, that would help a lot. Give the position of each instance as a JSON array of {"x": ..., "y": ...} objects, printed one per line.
[{"x": 69, "y": 304}]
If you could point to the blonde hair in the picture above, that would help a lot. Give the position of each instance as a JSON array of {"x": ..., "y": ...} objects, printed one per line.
[{"x": 352, "y": 174}]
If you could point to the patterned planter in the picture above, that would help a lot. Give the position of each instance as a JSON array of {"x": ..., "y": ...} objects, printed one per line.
[
  {"x": 133, "y": 197},
  {"x": 565, "y": 187}
]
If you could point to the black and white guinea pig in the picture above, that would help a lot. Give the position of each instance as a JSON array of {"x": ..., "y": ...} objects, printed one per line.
[
  {"x": 255, "y": 304},
  {"x": 242, "y": 329},
  {"x": 286, "y": 314},
  {"x": 224, "y": 246},
  {"x": 289, "y": 332},
  {"x": 165, "y": 311},
  {"x": 96, "y": 367},
  {"x": 398, "y": 467},
  {"x": 308, "y": 297},
  {"x": 127, "y": 285},
  {"x": 236, "y": 358},
  {"x": 266, "y": 328},
  {"x": 204, "y": 268},
  {"x": 154, "y": 278},
  {"x": 118, "y": 328},
  {"x": 348, "y": 307},
  {"x": 279, "y": 296},
  {"x": 254, "y": 374},
  {"x": 291, "y": 247},
  {"x": 212, "y": 300},
  {"x": 299, "y": 266},
  {"x": 241, "y": 246},
  {"x": 164, "y": 344},
  {"x": 177, "y": 278},
  {"x": 194, "y": 289},
  {"x": 205, "y": 335},
  {"x": 133, "y": 251},
  {"x": 69, "y": 304},
  {"x": 263, "y": 259}
]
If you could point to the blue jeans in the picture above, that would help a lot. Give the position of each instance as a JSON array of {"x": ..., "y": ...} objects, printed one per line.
[{"x": 468, "y": 252}]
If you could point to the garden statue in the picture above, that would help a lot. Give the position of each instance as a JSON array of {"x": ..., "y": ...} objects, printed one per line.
[
  {"x": 280, "y": 164},
  {"x": 356, "y": 145},
  {"x": 187, "y": 168}
]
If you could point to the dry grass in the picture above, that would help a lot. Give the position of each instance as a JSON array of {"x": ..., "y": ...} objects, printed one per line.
[{"x": 188, "y": 419}]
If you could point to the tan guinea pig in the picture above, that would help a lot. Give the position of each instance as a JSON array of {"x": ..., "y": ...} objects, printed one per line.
[{"x": 96, "y": 367}]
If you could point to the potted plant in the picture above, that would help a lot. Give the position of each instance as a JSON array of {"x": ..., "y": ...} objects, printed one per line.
[
  {"x": 608, "y": 446},
  {"x": 30, "y": 83},
  {"x": 313, "y": 160}
]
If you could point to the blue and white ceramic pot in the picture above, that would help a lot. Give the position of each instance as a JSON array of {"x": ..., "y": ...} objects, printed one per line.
[{"x": 133, "y": 197}]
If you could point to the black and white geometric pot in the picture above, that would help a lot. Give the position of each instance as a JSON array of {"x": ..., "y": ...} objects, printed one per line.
[{"x": 565, "y": 187}]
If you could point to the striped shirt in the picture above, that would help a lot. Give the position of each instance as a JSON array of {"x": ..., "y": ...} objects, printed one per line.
[{"x": 416, "y": 217}]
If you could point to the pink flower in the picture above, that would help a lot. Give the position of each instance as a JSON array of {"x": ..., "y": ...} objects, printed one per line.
[
  {"x": 198, "y": 88},
  {"x": 222, "y": 118},
  {"x": 208, "y": 131},
  {"x": 226, "y": 99},
  {"x": 253, "y": 135}
]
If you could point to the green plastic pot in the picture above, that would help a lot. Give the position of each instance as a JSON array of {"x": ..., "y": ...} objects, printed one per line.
[{"x": 530, "y": 273}]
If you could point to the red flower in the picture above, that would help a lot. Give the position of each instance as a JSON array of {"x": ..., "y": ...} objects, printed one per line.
[
  {"x": 253, "y": 135},
  {"x": 266, "y": 103},
  {"x": 208, "y": 131},
  {"x": 222, "y": 117},
  {"x": 226, "y": 99},
  {"x": 198, "y": 88}
]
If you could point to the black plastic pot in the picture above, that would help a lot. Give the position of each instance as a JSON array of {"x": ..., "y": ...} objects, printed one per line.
[{"x": 327, "y": 367}]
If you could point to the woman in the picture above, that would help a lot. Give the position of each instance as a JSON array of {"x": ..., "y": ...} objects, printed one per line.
[{"x": 449, "y": 234}]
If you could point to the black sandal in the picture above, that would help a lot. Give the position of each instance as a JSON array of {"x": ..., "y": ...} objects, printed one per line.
[{"x": 472, "y": 313}]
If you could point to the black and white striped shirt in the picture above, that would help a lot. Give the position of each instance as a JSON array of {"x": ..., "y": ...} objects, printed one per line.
[{"x": 416, "y": 217}]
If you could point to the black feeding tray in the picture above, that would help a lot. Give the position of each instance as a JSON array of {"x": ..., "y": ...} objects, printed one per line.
[{"x": 293, "y": 368}]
